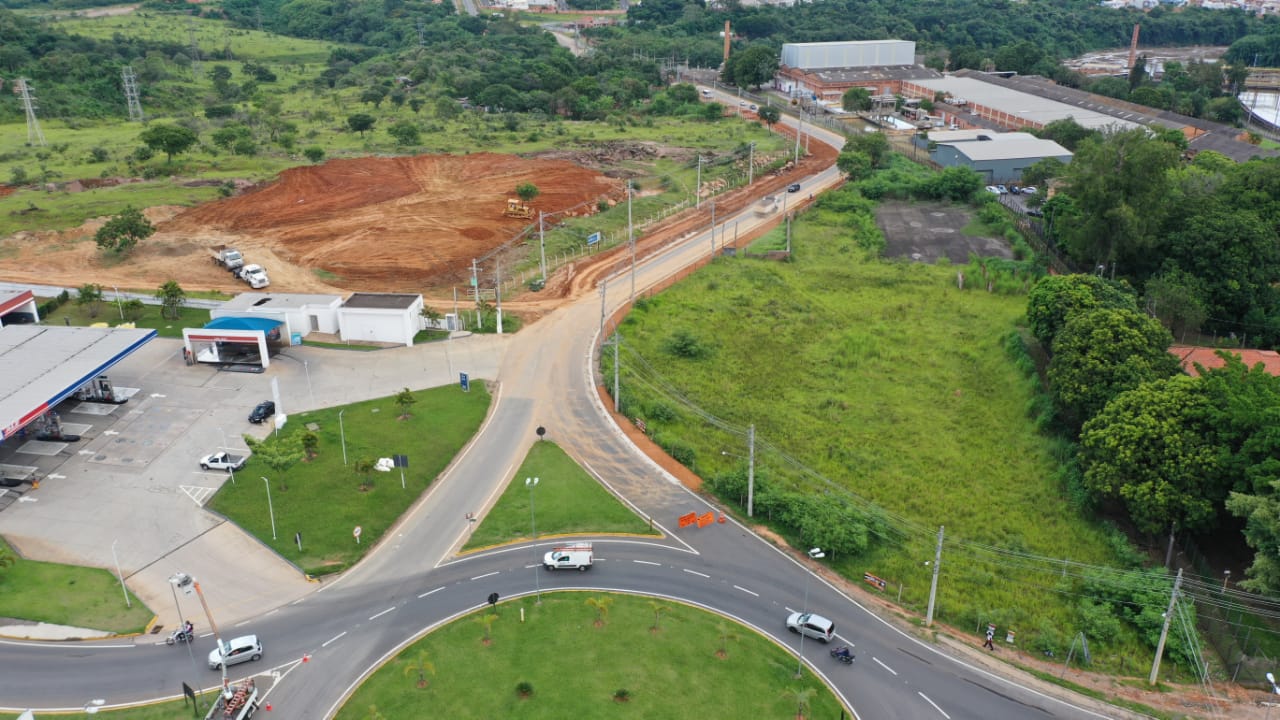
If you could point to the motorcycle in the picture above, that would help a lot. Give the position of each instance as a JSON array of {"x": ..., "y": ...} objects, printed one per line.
[
  {"x": 177, "y": 636},
  {"x": 843, "y": 655}
]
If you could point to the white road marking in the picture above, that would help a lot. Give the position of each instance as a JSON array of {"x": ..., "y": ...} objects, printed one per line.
[
  {"x": 273, "y": 612},
  {"x": 646, "y": 562},
  {"x": 242, "y": 623},
  {"x": 739, "y": 587},
  {"x": 485, "y": 575},
  {"x": 886, "y": 667},
  {"x": 934, "y": 704},
  {"x": 695, "y": 572},
  {"x": 384, "y": 612},
  {"x": 332, "y": 639},
  {"x": 429, "y": 592}
]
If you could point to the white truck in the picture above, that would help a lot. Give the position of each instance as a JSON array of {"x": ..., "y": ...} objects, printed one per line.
[
  {"x": 223, "y": 461},
  {"x": 229, "y": 258},
  {"x": 577, "y": 557},
  {"x": 255, "y": 276},
  {"x": 236, "y": 701}
]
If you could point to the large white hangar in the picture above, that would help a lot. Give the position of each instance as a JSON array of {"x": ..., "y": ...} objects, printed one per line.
[{"x": 41, "y": 366}]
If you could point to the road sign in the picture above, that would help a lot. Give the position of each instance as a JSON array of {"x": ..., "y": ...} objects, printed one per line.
[
  {"x": 356, "y": 533},
  {"x": 593, "y": 238},
  {"x": 464, "y": 382}
]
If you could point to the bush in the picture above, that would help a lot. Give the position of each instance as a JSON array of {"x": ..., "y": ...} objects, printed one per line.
[{"x": 685, "y": 344}]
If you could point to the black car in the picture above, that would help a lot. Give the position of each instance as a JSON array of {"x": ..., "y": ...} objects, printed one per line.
[
  {"x": 1033, "y": 212},
  {"x": 793, "y": 187},
  {"x": 262, "y": 412}
]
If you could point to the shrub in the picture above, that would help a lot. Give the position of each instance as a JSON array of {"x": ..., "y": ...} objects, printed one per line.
[
  {"x": 524, "y": 688},
  {"x": 684, "y": 344}
]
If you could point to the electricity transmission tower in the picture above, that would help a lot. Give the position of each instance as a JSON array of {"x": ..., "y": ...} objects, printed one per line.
[
  {"x": 131, "y": 94},
  {"x": 34, "y": 134},
  {"x": 195, "y": 52},
  {"x": 422, "y": 37}
]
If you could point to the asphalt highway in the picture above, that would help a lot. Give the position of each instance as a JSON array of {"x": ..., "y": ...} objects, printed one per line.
[{"x": 318, "y": 647}]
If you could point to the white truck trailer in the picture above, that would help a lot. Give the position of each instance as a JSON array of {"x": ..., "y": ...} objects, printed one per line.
[{"x": 236, "y": 701}]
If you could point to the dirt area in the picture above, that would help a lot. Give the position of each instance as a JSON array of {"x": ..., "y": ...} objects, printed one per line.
[{"x": 928, "y": 231}]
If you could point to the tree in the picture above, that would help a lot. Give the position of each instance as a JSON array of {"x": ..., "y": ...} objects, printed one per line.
[
  {"x": 1155, "y": 449},
  {"x": 169, "y": 139},
  {"x": 1174, "y": 297},
  {"x": 314, "y": 153},
  {"x": 855, "y": 165},
  {"x": 601, "y": 606},
  {"x": 486, "y": 622},
  {"x": 1101, "y": 353},
  {"x": 279, "y": 452},
  {"x": 122, "y": 232},
  {"x": 360, "y": 122},
  {"x": 405, "y": 132},
  {"x": 753, "y": 66},
  {"x": 133, "y": 309},
  {"x": 310, "y": 444},
  {"x": 373, "y": 95},
  {"x": 420, "y": 666},
  {"x": 405, "y": 401},
  {"x": 726, "y": 635},
  {"x": 89, "y": 296},
  {"x": 364, "y": 468},
  {"x": 874, "y": 145},
  {"x": 7, "y": 560},
  {"x": 172, "y": 298},
  {"x": 527, "y": 191},
  {"x": 658, "y": 608},
  {"x": 856, "y": 99},
  {"x": 769, "y": 114},
  {"x": 1066, "y": 132},
  {"x": 802, "y": 696},
  {"x": 1054, "y": 298}
]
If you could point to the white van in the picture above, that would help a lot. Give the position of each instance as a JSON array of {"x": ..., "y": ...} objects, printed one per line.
[
  {"x": 573, "y": 557},
  {"x": 814, "y": 626}
]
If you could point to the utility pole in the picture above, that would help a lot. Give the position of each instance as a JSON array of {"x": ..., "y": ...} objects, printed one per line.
[
  {"x": 933, "y": 587},
  {"x": 713, "y": 228},
  {"x": 799, "y": 131},
  {"x": 497, "y": 290},
  {"x": 542, "y": 245},
  {"x": 34, "y": 134},
  {"x": 751, "y": 467},
  {"x": 697, "y": 198},
  {"x": 1164, "y": 631},
  {"x": 603, "y": 284},
  {"x": 617, "y": 399},
  {"x": 475, "y": 287},
  {"x": 631, "y": 238},
  {"x": 131, "y": 93},
  {"x": 751, "y": 164}
]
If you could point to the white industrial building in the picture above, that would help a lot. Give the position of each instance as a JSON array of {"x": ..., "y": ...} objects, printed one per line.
[
  {"x": 848, "y": 54},
  {"x": 300, "y": 314},
  {"x": 381, "y": 317}
]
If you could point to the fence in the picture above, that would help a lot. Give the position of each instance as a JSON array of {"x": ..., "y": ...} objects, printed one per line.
[{"x": 1234, "y": 628}]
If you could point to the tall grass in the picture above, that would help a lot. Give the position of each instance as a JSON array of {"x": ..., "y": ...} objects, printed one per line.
[{"x": 881, "y": 382}]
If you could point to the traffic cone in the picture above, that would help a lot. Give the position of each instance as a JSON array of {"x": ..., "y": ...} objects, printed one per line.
[
  {"x": 268, "y": 706},
  {"x": 721, "y": 517}
]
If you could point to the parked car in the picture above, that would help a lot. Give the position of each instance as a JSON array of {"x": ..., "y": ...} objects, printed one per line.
[
  {"x": 993, "y": 189},
  {"x": 1029, "y": 190},
  {"x": 1035, "y": 212},
  {"x": 263, "y": 411},
  {"x": 1002, "y": 190},
  {"x": 814, "y": 626},
  {"x": 1015, "y": 189},
  {"x": 235, "y": 651},
  {"x": 793, "y": 187},
  {"x": 742, "y": 103}
]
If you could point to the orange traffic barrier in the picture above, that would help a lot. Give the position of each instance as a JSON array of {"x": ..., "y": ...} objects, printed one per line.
[
  {"x": 687, "y": 520},
  {"x": 706, "y": 519}
]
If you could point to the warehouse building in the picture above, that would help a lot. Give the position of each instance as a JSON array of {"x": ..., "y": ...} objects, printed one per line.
[
  {"x": 823, "y": 72},
  {"x": 998, "y": 157}
]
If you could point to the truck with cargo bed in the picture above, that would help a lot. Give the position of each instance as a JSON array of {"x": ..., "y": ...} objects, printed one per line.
[
  {"x": 223, "y": 461},
  {"x": 236, "y": 701},
  {"x": 229, "y": 258}
]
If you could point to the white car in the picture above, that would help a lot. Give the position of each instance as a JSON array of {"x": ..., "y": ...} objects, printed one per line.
[
  {"x": 993, "y": 190},
  {"x": 1029, "y": 190},
  {"x": 1002, "y": 190},
  {"x": 235, "y": 651}
]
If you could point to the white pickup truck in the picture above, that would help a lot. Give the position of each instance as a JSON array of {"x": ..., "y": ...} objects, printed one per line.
[
  {"x": 223, "y": 461},
  {"x": 255, "y": 275},
  {"x": 575, "y": 557},
  {"x": 237, "y": 701}
]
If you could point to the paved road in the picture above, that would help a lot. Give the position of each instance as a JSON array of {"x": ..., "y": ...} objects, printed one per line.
[{"x": 410, "y": 582}]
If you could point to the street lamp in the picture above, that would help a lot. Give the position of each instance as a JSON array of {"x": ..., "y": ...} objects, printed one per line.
[
  {"x": 118, "y": 303},
  {"x": 751, "y": 466},
  {"x": 815, "y": 554},
  {"x": 532, "y": 483},
  {"x": 270, "y": 510},
  {"x": 343, "y": 435},
  {"x": 182, "y": 579},
  {"x": 128, "y": 603}
]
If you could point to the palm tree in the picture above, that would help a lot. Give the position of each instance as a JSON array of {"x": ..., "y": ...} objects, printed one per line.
[
  {"x": 601, "y": 606},
  {"x": 7, "y": 560},
  {"x": 374, "y": 714},
  {"x": 801, "y": 696},
  {"x": 487, "y": 621},
  {"x": 726, "y": 634},
  {"x": 658, "y": 608},
  {"x": 422, "y": 665}
]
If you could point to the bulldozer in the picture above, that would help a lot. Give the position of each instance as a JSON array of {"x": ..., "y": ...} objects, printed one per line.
[{"x": 517, "y": 208}]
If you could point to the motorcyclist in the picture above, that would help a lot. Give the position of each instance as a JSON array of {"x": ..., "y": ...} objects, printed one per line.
[
  {"x": 188, "y": 629},
  {"x": 843, "y": 652}
]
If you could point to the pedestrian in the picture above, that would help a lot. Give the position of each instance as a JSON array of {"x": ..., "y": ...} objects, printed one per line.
[{"x": 988, "y": 644}]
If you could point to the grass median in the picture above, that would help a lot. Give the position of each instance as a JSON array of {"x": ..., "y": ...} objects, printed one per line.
[
  {"x": 565, "y": 501},
  {"x": 324, "y": 499},
  {"x": 68, "y": 595},
  {"x": 593, "y": 656}
]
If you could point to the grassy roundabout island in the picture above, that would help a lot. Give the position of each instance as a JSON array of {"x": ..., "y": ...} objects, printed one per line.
[{"x": 592, "y": 655}]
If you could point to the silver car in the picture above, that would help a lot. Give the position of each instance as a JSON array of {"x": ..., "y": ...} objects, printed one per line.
[
  {"x": 235, "y": 651},
  {"x": 811, "y": 625}
]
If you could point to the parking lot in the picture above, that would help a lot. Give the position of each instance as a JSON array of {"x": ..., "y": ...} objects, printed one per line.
[{"x": 925, "y": 231}]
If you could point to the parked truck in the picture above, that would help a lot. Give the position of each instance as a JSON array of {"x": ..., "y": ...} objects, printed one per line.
[
  {"x": 229, "y": 258},
  {"x": 236, "y": 701},
  {"x": 223, "y": 461},
  {"x": 767, "y": 205},
  {"x": 574, "y": 557},
  {"x": 255, "y": 276}
]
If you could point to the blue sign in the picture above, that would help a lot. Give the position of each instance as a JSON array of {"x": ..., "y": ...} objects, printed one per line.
[
  {"x": 464, "y": 382},
  {"x": 593, "y": 238}
]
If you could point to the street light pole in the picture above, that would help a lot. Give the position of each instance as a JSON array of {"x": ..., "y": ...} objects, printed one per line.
[
  {"x": 118, "y": 303},
  {"x": 816, "y": 554},
  {"x": 174, "y": 581},
  {"x": 128, "y": 603},
  {"x": 751, "y": 465},
  {"x": 751, "y": 164},
  {"x": 532, "y": 483},
  {"x": 270, "y": 511},
  {"x": 631, "y": 239},
  {"x": 342, "y": 434},
  {"x": 697, "y": 198}
]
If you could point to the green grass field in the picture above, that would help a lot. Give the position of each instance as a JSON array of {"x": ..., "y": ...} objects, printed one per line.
[
  {"x": 566, "y": 500},
  {"x": 109, "y": 312},
  {"x": 322, "y": 498},
  {"x": 889, "y": 383},
  {"x": 69, "y": 595},
  {"x": 575, "y": 667}
]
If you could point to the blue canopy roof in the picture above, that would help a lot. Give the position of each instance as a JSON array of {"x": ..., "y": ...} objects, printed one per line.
[{"x": 243, "y": 323}]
